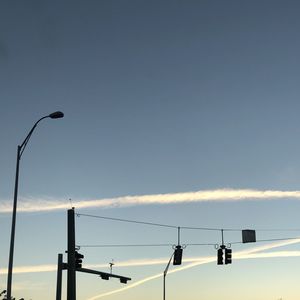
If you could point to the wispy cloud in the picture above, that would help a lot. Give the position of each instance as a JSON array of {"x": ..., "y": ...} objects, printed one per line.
[
  {"x": 246, "y": 254},
  {"x": 51, "y": 268},
  {"x": 249, "y": 253},
  {"x": 46, "y": 204},
  {"x": 190, "y": 262}
]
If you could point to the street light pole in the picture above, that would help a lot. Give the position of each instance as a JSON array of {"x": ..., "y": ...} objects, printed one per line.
[
  {"x": 20, "y": 150},
  {"x": 165, "y": 274}
]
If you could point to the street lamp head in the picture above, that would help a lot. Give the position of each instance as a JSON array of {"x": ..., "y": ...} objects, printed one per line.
[{"x": 56, "y": 115}]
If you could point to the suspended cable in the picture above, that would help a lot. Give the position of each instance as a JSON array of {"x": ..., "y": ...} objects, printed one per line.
[
  {"x": 274, "y": 229},
  {"x": 125, "y": 245},
  {"x": 209, "y": 229},
  {"x": 176, "y": 227},
  {"x": 271, "y": 240},
  {"x": 188, "y": 244},
  {"x": 128, "y": 221},
  {"x": 151, "y": 223}
]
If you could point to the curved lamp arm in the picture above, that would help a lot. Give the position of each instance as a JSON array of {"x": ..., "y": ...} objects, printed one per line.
[{"x": 54, "y": 115}]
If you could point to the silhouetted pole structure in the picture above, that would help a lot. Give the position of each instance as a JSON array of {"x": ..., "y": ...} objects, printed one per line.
[
  {"x": 74, "y": 263},
  {"x": 71, "y": 281},
  {"x": 59, "y": 276},
  {"x": 20, "y": 151},
  {"x": 165, "y": 274}
]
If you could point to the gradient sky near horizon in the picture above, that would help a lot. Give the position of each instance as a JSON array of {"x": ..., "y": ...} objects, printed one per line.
[{"x": 159, "y": 97}]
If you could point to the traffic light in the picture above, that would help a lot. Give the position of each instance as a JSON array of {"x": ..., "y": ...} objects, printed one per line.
[
  {"x": 104, "y": 276},
  {"x": 220, "y": 256},
  {"x": 123, "y": 280},
  {"x": 228, "y": 256},
  {"x": 78, "y": 260},
  {"x": 177, "y": 255}
]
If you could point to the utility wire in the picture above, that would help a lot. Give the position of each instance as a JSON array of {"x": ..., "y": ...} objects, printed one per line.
[
  {"x": 188, "y": 244},
  {"x": 271, "y": 240},
  {"x": 154, "y": 224},
  {"x": 211, "y": 229},
  {"x": 128, "y": 221},
  {"x": 174, "y": 226},
  {"x": 276, "y": 230},
  {"x": 125, "y": 245}
]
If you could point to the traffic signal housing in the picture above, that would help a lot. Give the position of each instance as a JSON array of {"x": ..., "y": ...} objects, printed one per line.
[
  {"x": 177, "y": 255},
  {"x": 104, "y": 276},
  {"x": 228, "y": 256},
  {"x": 220, "y": 257},
  {"x": 78, "y": 260}
]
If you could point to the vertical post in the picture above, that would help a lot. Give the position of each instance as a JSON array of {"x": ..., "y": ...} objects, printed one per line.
[
  {"x": 59, "y": 276},
  {"x": 13, "y": 229},
  {"x": 164, "y": 287},
  {"x": 222, "y": 232},
  {"x": 71, "y": 281},
  {"x": 165, "y": 274}
]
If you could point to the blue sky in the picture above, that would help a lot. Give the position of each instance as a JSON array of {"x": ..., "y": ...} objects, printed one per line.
[{"x": 159, "y": 97}]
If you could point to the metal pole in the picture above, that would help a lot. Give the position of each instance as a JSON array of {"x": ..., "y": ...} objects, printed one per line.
[
  {"x": 164, "y": 294},
  {"x": 59, "y": 276},
  {"x": 13, "y": 229},
  {"x": 165, "y": 274},
  {"x": 21, "y": 148},
  {"x": 71, "y": 281},
  {"x": 222, "y": 231}
]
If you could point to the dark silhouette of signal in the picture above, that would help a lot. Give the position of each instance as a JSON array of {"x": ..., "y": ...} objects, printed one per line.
[
  {"x": 223, "y": 251},
  {"x": 78, "y": 260},
  {"x": 177, "y": 256}
]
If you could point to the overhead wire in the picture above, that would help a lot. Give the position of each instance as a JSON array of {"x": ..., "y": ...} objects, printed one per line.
[
  {"x": 181, "y": 227},
  {"x": 126, "y": 220},
  {"x": 188, "y": 244},
  {"x": 125, "y": 245},
  {"x": 270, "y": 240}
]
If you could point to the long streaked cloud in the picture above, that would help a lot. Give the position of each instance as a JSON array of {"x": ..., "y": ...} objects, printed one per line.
[
  {"x": 51, "y": 268},
  {"x": 194, "y": 264},
  {"x": 147, "y": 262},
  {"x": 249, "y": 253},
  {"x": 246, "y": 254},
  {"x": 46, "y": 204},
  {"x": 190, "y": 262}
]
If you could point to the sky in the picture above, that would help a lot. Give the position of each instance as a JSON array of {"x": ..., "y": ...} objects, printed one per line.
[{"x": 176, "y": 112}]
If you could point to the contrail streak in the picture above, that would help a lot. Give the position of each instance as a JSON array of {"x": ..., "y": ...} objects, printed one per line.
[
  {"x": 246, "y": 254},
  {"x": 40, "y": 204},
  {"x": 162, "y": 261}
]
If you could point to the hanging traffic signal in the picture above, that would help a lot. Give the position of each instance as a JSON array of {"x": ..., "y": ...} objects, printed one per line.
[
  {"x": 78, "y": 260},
  {"x": 123, "y": 280},
  {"x": 220, "y": 256},
  {"x": 228, "y": 256},
  {"x": 104, "y": 276},
  {"x": 177, "y": 255}
]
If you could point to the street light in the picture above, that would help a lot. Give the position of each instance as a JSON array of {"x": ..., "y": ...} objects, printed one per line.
[{"x": 21, "y": 148}]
